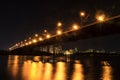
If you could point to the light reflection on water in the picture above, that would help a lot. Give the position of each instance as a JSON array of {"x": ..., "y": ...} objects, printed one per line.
[
  {"x": 13, "y": 65},
  {"x": 60, "y": 73},
  {"x": 78, "y": 72},
  {"x": 48, "y": 71},
  {"x": 107, "y": 71},
  {"x": 33, "y": 68}
]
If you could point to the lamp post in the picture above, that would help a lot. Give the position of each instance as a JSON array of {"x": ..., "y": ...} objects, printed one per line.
[
  {"x": 100, "y": 18},
  {"x": 59, "y": 30},
  {"x": 75, "y": 27},
  {"x": 34, "y": 41},
  {"x": 30, "y": 42},
  {"x": 82, "y": 14},
  {"x": 40, "y": 38},
  {"x": 59, "y": 24},
  {"x": 36, "y": 35}
]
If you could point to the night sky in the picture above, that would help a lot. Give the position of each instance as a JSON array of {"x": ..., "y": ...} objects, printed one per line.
[{"x": 22, "y": 19}]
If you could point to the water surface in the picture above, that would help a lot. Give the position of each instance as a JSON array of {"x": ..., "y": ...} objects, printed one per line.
[{"x": 60, "y": 68}]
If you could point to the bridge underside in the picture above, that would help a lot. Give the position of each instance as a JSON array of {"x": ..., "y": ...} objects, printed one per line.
[{"x": 96, "y": 30}]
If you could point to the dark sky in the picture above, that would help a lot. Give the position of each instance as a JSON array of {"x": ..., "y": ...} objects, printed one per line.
[{"x": 21, "y": 19}]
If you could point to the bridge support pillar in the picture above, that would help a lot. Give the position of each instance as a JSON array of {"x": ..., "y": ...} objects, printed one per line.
[{"x": 56, "y": 49}]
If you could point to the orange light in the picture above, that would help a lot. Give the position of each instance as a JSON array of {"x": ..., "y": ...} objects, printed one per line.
[
  {"x": 36, "y": 35},
  {"x": 75, "y": 27},
  {"x": 59, "y": 24},
  {"x": 100, "y": 18},
  {"x": 34, "y": 40},
  {"x": 78, "y": 72},
  {"x": 26, "y": 43},
  {"x": 60, "y": 73},
  {"x": 82, "y": 14},
  {"x": 59, "y": 32},
  {"x": 48, "y": 36},
  {"x": 45, "y": 30},
  {"x": 10, "y": 48},
  {"x": 16, "y": 44},
  {"x": 29, "y": 37},
  {"x": 30, "y": 42},
  {"x": 48, "y": 68},
  {"x": 23, "y": 45},
  {"x": 40, "y": 39}
]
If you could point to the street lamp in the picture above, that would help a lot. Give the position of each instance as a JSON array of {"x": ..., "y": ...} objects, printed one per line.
[
  {"x": 48, "y": 36},
  {"x": 100, "y": 18},
  {"x": 10, "y": 49},
  {"x": 30, "y": 42},
  {"x": 29, "y": 37},
  {"x": 34, "y": 40},
  {"x": 82, "y": 14},
  {"x": 25, "y": 40},
  {"x": 75, "y": 27},
  {"x": 16, "y": 44},
  {"x": 40, "y": 38},
  {"x": 59, "y": 24},
  {"x": 45, "y": 31},
  {"x": 59, "y": 32},
  {"x": 36, "y": 35},
  {"x": 26, "y": 43}
]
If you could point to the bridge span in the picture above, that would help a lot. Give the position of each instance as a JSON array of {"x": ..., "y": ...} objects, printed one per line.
[{"x": 97, "y": 29}]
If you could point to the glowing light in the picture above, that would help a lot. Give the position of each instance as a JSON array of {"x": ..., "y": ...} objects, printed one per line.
[
  {"x": 36, "y": 58},
  {"x": 30, "y": 42},
  {"x": 67, "y": 52},
  {"x": 75, "y": 27},
  {"x": 40, "y": 39},
  {"x": 59, "y": 32},
  {"x": 34, "y": 40},
  {"x": 45, "y": 30},
  {"x": 78, "y": 72},
  {"x": 16, "y": 44},
  {"x": 60, "y": 73},
  {"x": 29, "y": 37},
  {"x": 48, "y": 71},
  {"x": 36, "y": 35},
  {"x": 26, "y": 43},
  {"x": 30, "y": 71},
  {"x": 59, "y": 24},
  {"x": 107, "y": 73},
  {"x": 82, "y": 14},
  {"x": 100, "y": 18},
  {"x": 10, "y": 48},
  {"x": 48, "y": 36},
  {"x": 14, "y": 68}
]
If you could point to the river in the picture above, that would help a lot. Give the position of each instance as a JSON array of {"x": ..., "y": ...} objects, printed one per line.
[{"x": 14, "y": 67}]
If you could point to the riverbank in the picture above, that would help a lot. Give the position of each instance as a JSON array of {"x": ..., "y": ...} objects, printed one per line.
[{"x": 37, "y": 53}]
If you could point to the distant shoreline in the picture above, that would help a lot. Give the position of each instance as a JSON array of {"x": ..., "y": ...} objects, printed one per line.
[{"x": 2, "y": 52}]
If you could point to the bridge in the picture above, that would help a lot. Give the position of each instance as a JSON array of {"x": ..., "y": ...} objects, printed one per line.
[{"x": 52, "y": 43}]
